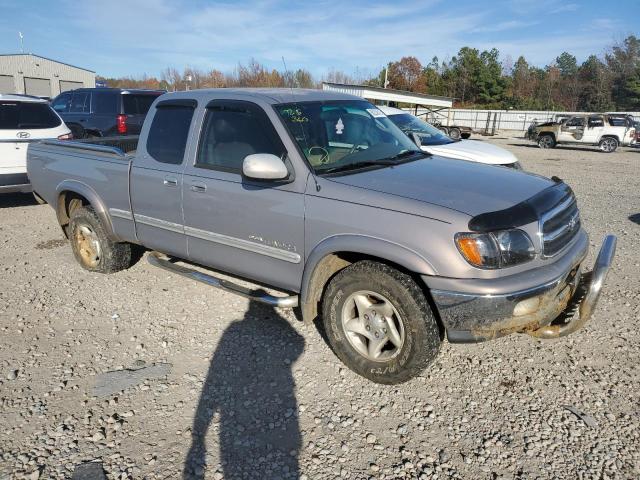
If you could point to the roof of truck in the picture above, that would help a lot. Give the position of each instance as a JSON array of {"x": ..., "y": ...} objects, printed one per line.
[{"x": 270, "y": 95}]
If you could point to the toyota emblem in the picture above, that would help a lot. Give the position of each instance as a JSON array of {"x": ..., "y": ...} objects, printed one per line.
[
  {"x": 23, "y": 135},
  {"x": 572, "y": 223}
]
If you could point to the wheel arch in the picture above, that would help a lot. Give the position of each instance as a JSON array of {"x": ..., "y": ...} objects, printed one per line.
[
  {"x": 336, "y": 253},
  {"x": 73, "y": 192}
]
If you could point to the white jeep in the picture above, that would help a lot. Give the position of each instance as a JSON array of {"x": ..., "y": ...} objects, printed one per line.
[{"x": 605, "y": 131}]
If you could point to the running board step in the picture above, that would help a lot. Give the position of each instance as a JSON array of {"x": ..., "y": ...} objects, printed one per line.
[{"x": 159, "y": 260}]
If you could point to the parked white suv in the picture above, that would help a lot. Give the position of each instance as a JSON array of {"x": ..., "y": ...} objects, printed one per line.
[
  {"x": 24, "y": 119},
  {"x": 434, "y": 141}
]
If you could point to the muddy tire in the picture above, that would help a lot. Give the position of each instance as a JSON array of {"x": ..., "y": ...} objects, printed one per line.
[
  {"x": 546, "y": 141},
  {"x": 379, "y": 323},
  {"x": 608, "y": 144},
  {"x": 91, "y": 246}
]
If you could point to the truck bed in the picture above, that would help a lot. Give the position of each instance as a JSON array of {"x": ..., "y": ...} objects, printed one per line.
[{"x": 96, "y": 167}]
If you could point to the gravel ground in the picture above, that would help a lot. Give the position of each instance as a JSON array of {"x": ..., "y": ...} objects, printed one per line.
[{"x": 272, "y": 401}]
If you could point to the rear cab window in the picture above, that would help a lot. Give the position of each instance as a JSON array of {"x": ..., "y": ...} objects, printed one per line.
[
  {"x": 169, "y": 131},
  {"x": 27, "y": 115}
]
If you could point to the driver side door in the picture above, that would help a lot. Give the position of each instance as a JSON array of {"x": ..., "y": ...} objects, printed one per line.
[
  {"x": 246, "y": 227},
  {"x": 572, "y": 130}
]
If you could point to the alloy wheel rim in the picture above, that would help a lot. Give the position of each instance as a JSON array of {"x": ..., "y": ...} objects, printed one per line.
[
  {"x": 372, "y": 326},
  {"x": 88, "y": 245}
]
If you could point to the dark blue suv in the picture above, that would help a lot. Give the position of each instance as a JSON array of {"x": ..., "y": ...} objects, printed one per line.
[{"x": 104, "y": 112}]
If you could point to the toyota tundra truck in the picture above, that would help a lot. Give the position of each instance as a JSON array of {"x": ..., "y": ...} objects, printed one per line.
[{"x": 326, "y": 206}]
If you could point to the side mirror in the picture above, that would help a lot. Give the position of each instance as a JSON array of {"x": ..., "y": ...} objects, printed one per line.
[{"x": 264, "y": 166}]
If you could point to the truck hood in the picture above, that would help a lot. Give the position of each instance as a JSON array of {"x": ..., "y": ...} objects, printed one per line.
[
  {"x": 468, "y": 187},
  {"x": 473, "y": 150}
]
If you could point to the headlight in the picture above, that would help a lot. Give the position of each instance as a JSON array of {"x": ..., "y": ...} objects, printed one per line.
[{"x": 496, "y": 249}]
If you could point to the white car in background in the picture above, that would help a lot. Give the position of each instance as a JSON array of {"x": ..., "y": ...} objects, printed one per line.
[
  {"x": 434, "y": 141},
  {"x": 24, "y": 119}
]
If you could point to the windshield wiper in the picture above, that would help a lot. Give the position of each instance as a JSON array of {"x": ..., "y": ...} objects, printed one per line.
[{"x": 389, "y": 161}]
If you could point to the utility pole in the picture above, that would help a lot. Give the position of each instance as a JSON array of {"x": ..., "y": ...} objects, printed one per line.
[
  {"x": 386, "y": 74},
  {"x": 21, "y": 42}
]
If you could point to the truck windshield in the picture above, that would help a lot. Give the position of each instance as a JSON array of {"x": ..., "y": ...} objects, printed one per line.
[
  {"x": 346, "y": 135},
  {"x": 27, "y": 115},
  {"x": 428, "y": 134}
]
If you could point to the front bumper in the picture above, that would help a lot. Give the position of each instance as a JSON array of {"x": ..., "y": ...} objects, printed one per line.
[
  {"x": 14, "y": 182},
  {"x": 553, "y": 309}
]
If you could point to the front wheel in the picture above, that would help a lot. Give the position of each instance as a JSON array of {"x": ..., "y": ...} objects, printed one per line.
[
  {"x": 608, "y": 144},
  {"x": 379, "y": 323}
]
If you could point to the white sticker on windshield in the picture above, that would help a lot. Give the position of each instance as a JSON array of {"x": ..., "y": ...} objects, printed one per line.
[
  {"x": 339, "y": 126},
  {"x": 376, "y": 113}
]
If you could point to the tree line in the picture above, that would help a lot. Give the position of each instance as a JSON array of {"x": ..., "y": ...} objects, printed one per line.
[{"x": 480, "y": 79}]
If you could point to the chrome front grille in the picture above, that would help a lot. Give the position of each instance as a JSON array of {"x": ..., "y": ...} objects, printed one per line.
[{"x": 559, "y": 226}]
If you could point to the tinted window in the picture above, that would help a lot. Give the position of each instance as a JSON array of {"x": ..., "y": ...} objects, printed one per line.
[
  {"x": 80, "y": 102},
  {"x": 595, "y": 122},
  {"x": 62, "y": 102},
  {"x": 27, "y": 115},
  {"x": 617, "y": 122},
  {"x": 137, "y": 104},
  {"x": 575, "y": 122},
  {"x": 233, "y": 130},
  {"x": 105, "y": 103},
  {"x": 429, "y": 135},
  {"x": 168, "y": 134}
]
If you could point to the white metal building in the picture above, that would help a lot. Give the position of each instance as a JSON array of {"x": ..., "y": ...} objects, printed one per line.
[
  {"x": 390, "y": 95},
  {"x": 34, "y": 75}
]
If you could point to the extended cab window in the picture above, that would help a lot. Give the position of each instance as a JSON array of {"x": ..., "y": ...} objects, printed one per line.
[
  {"x": 168, "y": 133},
  {"x": 232, "y": 130}
]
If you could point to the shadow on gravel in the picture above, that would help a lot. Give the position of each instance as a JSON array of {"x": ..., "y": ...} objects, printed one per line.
[
  {"x": 250, "y": 386},
  {"x": 9, "y": 200},
  {"x": 635, "y": 218}
]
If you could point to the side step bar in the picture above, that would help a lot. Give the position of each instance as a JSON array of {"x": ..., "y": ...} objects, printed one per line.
[{"x": 159, "y": 260}]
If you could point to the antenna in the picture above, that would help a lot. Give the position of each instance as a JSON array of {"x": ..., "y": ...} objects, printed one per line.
[{"x": 293, "y": 99}]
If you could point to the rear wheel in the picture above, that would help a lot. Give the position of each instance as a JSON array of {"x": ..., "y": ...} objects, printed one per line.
[
  {"x": 379, "y": 323},
  {"x": 455, "y": 133},
  {"x": 608, "y": 144},
  {"x": 546, "y": 141},
  {"x": 91, "y": 245}
]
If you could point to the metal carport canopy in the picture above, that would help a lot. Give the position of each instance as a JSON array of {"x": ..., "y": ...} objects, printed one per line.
[{"x": 389, "y": 95}]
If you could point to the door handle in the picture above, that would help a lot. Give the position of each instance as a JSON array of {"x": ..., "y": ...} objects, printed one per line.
[
  {"x": 170, "y": 182},
  {"x": 198, "y": 187}
]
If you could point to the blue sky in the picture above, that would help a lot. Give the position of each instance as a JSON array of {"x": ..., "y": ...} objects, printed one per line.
[{"x": 132, "y": 37}]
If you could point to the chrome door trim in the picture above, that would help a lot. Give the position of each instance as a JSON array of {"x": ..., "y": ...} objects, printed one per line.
[
  {"x": 156, "y": 222},
  {"x": 242, "y": 244},
  {"x": 116, "y": 212}
]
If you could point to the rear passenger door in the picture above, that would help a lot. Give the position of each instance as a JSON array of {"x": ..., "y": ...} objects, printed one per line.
[
  {"x": 246, "y": 227},
  {"x": 156, "y": 178}
]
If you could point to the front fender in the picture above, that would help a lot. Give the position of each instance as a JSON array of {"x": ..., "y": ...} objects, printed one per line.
[
  {"x": 363, "y": 245},
  {"x": 84, "y": 190}
]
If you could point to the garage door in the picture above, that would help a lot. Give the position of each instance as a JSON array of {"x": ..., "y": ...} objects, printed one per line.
[
  {"x": 66, "y": 85},
  {"x": 40, "y": 87},
  {"x": 6, "y": 84}
]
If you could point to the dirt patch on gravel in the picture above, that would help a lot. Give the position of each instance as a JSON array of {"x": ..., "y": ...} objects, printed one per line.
[{"x": 49, "y": 244}]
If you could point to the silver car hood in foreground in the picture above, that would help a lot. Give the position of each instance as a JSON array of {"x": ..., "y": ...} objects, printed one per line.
[
  {"x": 467, "y": 187},
  {"x": 473, "y": 150}
]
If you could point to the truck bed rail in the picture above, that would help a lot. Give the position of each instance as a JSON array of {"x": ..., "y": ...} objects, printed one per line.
[{"x": 119, "y": 146}]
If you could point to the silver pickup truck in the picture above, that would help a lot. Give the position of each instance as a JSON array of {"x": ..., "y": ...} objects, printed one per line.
[{"x": 320, "y": 198}]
